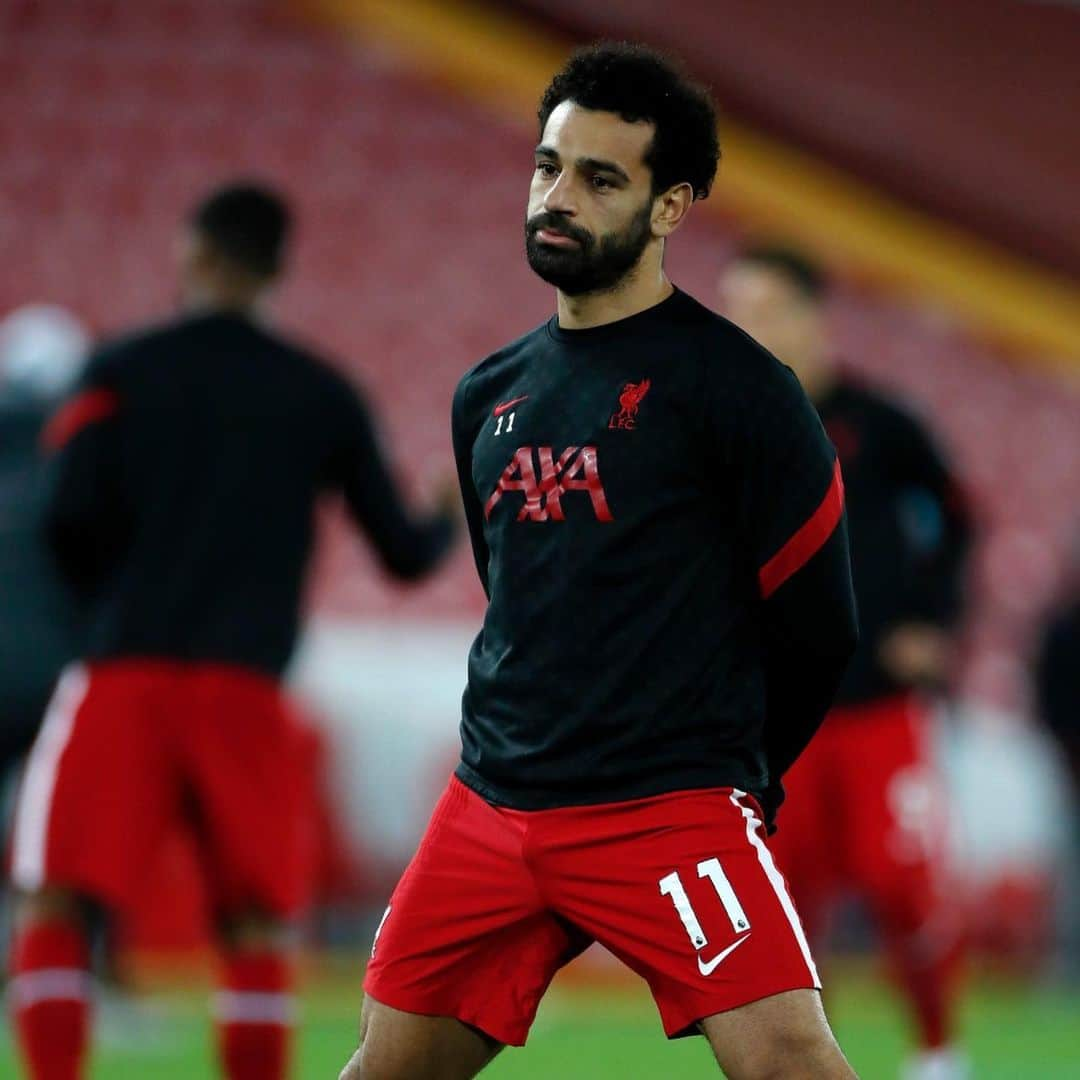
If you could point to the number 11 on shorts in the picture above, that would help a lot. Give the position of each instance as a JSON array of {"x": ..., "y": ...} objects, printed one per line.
[{"x": 672, "y": 886}]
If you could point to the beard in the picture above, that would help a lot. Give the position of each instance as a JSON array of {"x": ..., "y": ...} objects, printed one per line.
[{"x": 594, "y": 265}]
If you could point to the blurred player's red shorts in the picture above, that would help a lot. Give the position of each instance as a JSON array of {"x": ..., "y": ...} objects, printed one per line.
[
  {"x": 129, "y": 749},
  {"x": 681, "y": 887},
  {"x": 866, "y": 813}
]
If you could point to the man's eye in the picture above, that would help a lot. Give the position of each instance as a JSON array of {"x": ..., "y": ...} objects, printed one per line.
[
  {"x": 600, "y": 183},
  {"x": 545, "y": 168}
]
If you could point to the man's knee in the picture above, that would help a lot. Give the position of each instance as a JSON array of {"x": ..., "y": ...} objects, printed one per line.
[
  {"x": 50, "y": 904},
  {"x": 793, "y": 1056},
  {"x": 798, "y": 1055},
  {"x": 255, "y": 932},
  {"x": 373, "y": 1061},
  {"x": 352, "y": 1068}
]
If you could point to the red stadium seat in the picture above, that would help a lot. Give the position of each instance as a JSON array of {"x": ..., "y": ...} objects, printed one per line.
[{"x": 408, "y": 267}]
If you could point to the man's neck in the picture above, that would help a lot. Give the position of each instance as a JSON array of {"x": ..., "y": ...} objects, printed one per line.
[
  {"x": 638, "y": 291},
  {"x": 242, "y": 306},
  {"x": 818, "y": 381},
  {"x": 815, "y": 369}
]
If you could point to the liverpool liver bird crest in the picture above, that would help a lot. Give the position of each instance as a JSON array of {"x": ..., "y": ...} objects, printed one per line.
[{"x": 629, "y": 403}]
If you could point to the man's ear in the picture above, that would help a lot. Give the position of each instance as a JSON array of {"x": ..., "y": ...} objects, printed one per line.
[{"x": 670, "y": 208}]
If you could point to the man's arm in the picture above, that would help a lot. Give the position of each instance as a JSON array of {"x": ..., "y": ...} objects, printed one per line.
[
  {"x": 793, "y": 515},
  {"x": 936, "y": 519},
  {"x": 811, "y": 631},
  {"x": 463, "y": 436},
  {"x": 85, "y": 516},
  {"x": 935, "y": 526},
  {"x": 408, "y": 546},
  {"x": 1057, "y": 678}
]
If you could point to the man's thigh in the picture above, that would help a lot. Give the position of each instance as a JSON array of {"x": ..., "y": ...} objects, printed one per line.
[
  {"x": 897, "y": 850},
  {"x": 99, "y": 786},
  {"x": 784, "y": 1035},
  {"x": 683, "y": 889},
  {"x": 396, "y": 1045},
  {"x": 466, "y": 934},
  {"x": 247, "y": 772}
]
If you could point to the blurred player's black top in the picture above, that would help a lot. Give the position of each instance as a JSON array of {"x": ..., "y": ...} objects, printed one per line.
[
  {"x": 908, "y": 523},
  {"x": 657, "y": 520},
  {"x": 186, "y": 473},
  {"x": 1057, "y": 677},
  {"x": 39, "y": 620}
]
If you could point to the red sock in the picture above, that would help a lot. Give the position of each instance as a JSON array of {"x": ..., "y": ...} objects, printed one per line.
[
  {"x": 50, "y": 999},
  {"x": 254, "y": 1015}
]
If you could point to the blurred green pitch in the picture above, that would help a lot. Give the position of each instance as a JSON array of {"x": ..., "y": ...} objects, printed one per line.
[{"x": 595, "y": 1034}]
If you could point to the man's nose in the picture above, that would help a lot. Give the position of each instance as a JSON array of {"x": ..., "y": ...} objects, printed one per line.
[{"x": 561, "y": 197}]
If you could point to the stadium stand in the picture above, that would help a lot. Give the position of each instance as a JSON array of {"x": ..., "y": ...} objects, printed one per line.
[
  {"x": 945, "y": 93},
  {"x": 117, "y": 117},
  {"x": 409, "y": 268}
]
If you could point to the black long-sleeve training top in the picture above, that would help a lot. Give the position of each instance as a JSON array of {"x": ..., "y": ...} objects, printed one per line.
[
  {"x": 185, "y": 474},
  {"x": 657, "y": 519},
  {"x": 40, "y": 624},
  {"x": 909, "y": 525}
]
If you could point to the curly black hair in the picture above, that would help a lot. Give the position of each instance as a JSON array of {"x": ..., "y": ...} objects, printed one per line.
[
  {"x": 805, "y": 274},
  {"x": 248, "y": 223},
  {"x": 638, "y": 83}
]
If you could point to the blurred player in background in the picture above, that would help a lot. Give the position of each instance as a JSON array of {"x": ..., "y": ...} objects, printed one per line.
[
  {"x": 865, "y": 808},
  {"x": 1057, "y": 666},
  {"x": 186, "y": 471},
  {"x": 1057, "y": 686},
  {"x": 657, "y": 520},
  {"x": 42, "y": 350}
]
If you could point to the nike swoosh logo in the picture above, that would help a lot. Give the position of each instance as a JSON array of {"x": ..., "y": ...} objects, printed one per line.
[
  {"x": 500, "y": 409},
  {"x": 716, "y": 961}
]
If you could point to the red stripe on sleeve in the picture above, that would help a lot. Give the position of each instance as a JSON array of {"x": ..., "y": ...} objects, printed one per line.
[
  {"x": 89, "y": 407},
  {"x": 808, "y": 541}
]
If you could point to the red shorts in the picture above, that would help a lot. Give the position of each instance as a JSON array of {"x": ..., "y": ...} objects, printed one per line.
[
  {"x": 680, "y": 887},
  {"x": 865, "y": 812},
  {"x": 130, "y": 749}
]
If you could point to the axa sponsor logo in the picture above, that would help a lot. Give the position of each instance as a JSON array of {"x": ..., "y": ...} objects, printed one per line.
[{"x": 544, "y": 479}]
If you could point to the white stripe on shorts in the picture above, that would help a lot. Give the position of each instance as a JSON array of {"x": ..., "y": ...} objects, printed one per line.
[
  {"x": 776, "y": 880},
  {"x": 247, "y": 1007},
  {"x": 35, "y": 797},
  {"x": 49, "y": 984}
]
